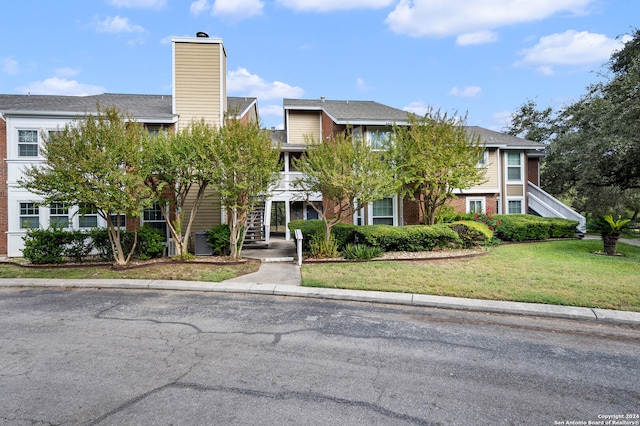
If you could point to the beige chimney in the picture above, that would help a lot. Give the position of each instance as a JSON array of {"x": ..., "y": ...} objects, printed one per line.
[{"x": 199, "y": 79}]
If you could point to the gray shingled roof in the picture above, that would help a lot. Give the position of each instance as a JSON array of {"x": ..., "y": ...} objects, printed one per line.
[
  {"x": 492, "y": 139},
  {"x": 147, "y": 106},
  {"x": 351, "y": 112}
]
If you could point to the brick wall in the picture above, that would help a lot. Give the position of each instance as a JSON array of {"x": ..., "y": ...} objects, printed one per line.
[{"x": 4, "y": 202}]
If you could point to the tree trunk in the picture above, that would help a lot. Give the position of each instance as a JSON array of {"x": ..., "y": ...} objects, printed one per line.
[{"x": 610, "y": 241}]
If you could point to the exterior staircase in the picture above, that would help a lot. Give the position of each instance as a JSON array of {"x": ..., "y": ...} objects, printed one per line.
[
  {"x": 543, "y": 204},
  {"x": 257, "y": 229}
]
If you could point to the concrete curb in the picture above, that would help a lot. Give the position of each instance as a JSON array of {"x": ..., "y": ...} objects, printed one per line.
[{"x": 443, "y": 302}]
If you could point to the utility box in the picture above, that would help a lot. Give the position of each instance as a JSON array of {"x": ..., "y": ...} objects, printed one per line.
[{"x": 202, "y": 247}]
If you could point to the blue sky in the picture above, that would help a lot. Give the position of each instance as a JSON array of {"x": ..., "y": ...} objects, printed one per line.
[{"x": 480, "y": 57}]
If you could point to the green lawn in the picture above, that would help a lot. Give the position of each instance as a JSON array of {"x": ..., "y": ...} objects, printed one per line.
[
  {"x": 189, "y": 271},
  {"x": 558, "y": 272}
]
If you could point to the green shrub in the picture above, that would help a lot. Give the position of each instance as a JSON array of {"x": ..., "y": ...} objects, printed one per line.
[
  {"x": 343, "y": 232},
  {"x": 321, "y": 248},
  {"x": 407, "y": 238},
  {"x": 472, "y": 233},
  {"x": 79, "y": 245},
  {"x": 360, "y": 252},
  {"x": 45, "y": 246},
  {"x": 150, "y": 243},
  {"x": 219, "y": 238}
]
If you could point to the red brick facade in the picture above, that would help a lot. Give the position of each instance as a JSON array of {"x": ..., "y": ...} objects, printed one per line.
[{"x": 4, "y": 208}]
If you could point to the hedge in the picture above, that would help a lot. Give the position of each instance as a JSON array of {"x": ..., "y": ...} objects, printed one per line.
[
  {"x": 343, "y": 232},
  {"x": 523, "y": 227},
  {"x": 407, "y": 238},
  {"x": 472, "y": 233}
]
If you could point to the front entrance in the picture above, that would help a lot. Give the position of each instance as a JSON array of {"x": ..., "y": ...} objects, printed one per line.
[{"x": 278, "y": 221}]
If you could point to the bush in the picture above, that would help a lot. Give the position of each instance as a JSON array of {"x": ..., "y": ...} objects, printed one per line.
[
  {"x": 321, "y": 248},
  {"x": 472, "y": 233},
  {"x": 343, "y": 232},
  {"x": 219, "y": 238},
  {"x": 42, "y": 246},
  {"x": 79, "y": 245},
  {"x": 407, "y": 238},
  {"x": 522, "y": 227},
  {"x": 360, "y": 252},
  {"x": 150, "y": 243}
]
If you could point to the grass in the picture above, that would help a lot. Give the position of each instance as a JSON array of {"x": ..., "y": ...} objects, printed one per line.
[
  {"x": 558, "y": 273},
  {"x": 155, "y": 271}
]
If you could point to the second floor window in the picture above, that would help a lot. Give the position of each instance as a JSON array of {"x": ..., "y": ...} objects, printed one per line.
[
  {"x": 514, "y": 167},
  {"x": 88, "y": 217},
  {"x": 27, "y": 143}
]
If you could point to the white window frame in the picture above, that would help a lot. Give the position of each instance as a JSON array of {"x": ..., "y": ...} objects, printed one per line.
[
  {"x": 482, "y": 200},
  {"x": 59, "y": 212},
  {"x": 29, "y": 144},
  {"x": 519, "y": 166},
  {"x": 145, "y": 220},
  {"x": 483, "y": 163},
  {"x": 520, "y": 199},
  {"x": 91, "y": 213},
  {"x": 373, "y": 136},
  {"x": 32, "y": 210},
  {"x": 394, "y": 216}
]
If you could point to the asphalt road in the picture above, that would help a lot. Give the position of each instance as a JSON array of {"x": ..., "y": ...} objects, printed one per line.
[{"x": 187, "y": 358}]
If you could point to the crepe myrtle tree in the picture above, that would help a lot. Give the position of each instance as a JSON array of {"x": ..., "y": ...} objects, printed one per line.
[
  {"x": 434, "y": 155},
  {"x": 247, "y": 167},
  {"x": 348, "y": 172},
  {"x": 182, "y": 163},
  {"x": 96, "y": 160}
]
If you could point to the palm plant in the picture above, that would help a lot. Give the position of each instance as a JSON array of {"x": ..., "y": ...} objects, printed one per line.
[{"x": 611, "y": 233}]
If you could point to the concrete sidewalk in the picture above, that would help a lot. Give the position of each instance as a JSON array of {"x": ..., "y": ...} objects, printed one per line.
[{"x": 280, "y": 276}]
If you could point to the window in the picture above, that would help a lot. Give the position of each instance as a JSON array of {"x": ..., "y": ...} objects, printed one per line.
[
  {"x": 379, "y": 138},
  {"x": 476, "y": 205},
  {"x": 29, "y": 216},
  {"x": 58, "y": 215},
  {"x": 153, "y": 218},
  {"x": 27, "y": 143},
  {"x": 484, "y": 160},
  {"x": 88, "y": 217},
  {"x": 514, "y": 167},
  {"x": 514, "y": 206},
  {"x": 383, "y": 212},
  {"x": 118, "y": 220}
]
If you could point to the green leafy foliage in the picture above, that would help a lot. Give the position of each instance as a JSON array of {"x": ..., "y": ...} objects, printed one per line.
[
  {"x": 348, "y": 172},
  {"x": 323, "y": 248},
  {"x": 218, "y": 238},
  {"x": 616, "y": 225},
  {"x": 42, "y": 246},
  {"x": 96, "y": 161},
  {"x": 435, "y": 155},
  {"x": 407, "y": 238},
  {"x": 472, "y": 233},
  {"x": 360, "y": 252},
  {"x": 522, "y": 227}
]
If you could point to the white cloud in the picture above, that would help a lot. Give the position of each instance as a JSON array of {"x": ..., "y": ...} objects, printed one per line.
[
  {"x": 237, "y": 9},
  {"x": 480, "y": 37},
  {"x": 420, "y": 18},
  {"x": 10, "y": 66},
  {"x": 331, "y": 5},
  {"x": 244, "y": 83},
  {"x": 361, "y": 85},
  {"x": 139, "y": 4},
  {"x": 271, "y": 111},
  {"x": 116, "y": 25},
  {"x": 467, "y": 92},
  {"x": 501, "y": 120},
  {"x": 570, "y": 48},
  {"x": 66, "y": 72},
  {"x": 60, "y": 86},
  {"x": 418, "y": 107},
  {"x": 199, "y": 6}
]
